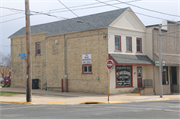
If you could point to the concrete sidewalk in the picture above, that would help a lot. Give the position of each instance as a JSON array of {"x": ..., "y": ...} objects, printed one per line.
[{"x": 52, "y": 97}]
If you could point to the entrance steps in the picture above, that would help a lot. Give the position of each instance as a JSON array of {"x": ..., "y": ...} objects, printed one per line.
[{"x": 137, "y": 90}]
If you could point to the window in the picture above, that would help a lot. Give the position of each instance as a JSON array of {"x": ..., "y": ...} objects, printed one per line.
[
  {"x": 165, "y": 76},
  {"x": 139, "y": 45},
  {"x": 139, "y": 72},
  {"x": 38, "y": 48},
  {"x": 117, "y": 43},
  {"x": 87, "y": 69},
  {"x": 128, "y": 44},
  {"x": 123, "y": 76}
]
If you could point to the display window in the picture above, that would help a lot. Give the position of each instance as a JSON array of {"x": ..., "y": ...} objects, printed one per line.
[{"x": 123, "y": 76}]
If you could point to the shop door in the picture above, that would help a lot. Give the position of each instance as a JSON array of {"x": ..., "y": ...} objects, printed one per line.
[
  {"x": 139, "y": 75},
  {"x": 174, "y": 75}
]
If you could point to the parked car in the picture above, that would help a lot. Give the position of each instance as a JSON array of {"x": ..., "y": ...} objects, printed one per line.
[{"x": 1, "y": 80}]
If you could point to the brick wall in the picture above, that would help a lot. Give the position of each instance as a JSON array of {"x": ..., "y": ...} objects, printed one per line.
[
  {"x": 18, "y": 65},
  {"x": 50, "y": 67}
]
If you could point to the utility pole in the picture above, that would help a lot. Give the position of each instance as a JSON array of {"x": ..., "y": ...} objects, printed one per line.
[
  {"x": 160, "y": 64},
  {"x": 28, "y": 48}
]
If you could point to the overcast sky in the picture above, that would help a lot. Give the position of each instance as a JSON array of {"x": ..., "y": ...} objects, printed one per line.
[{"x": 8, "y": 28}]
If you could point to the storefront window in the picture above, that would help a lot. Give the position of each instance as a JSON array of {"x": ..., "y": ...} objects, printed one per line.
[
  {"x": 165, "y": 76},
  {"x": 123, "y": 75}
]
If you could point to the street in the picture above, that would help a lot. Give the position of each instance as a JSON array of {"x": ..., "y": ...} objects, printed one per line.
[{"x": 135, "y": 110}]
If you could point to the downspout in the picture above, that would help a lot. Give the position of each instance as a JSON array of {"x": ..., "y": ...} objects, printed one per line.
[
  {"x": 46, "y": 62},
  {"x": 153, "y": 60},
  {"x": 65, "y": 60}
]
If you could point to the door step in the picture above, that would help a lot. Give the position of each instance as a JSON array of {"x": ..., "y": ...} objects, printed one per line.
[{"x": 137, "y": 90}]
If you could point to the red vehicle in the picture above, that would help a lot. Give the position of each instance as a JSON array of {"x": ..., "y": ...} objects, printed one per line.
[{"x": 7, "y": 80}]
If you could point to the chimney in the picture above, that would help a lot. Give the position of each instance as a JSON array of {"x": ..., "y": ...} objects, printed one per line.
[{"x": 164, "y": 23}]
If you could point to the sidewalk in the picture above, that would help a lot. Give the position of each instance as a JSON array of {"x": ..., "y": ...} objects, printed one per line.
[{"x": 52, "y": 97}]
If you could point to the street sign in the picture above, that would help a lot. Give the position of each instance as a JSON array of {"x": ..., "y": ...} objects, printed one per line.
[
  {"x": 22, "y": 54},
  {"x": 86, "y": 59},
  {"x": 110, "y": 64},
  {"x": 157, "y": 63},
  {"x": 23, "y": 58}
]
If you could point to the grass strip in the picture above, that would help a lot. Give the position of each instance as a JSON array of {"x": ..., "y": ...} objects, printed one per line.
[{"x": 9, "y": 93}]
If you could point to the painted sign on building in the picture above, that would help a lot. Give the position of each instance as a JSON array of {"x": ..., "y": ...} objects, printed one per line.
[
  {"x": 86, "y": 59},
  {"x": 123, "y": 75}
]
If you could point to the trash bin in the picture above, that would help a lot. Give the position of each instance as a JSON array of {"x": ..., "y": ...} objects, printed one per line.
[{"x": 35, "y": 83}]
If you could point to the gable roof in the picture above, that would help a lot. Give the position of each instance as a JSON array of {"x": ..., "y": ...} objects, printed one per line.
[{"x": 94, "y": 21}]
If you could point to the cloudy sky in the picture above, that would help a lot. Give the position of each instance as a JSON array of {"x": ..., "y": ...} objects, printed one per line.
[{"x": 12, "y": 20}]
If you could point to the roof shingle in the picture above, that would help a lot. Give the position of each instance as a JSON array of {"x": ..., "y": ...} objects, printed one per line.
[{"x": 94, "y": 21}]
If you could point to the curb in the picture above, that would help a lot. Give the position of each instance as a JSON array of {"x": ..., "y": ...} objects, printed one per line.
[
  {"x": 56, "y": 103},
  {"x": 96, "y": 102},
  {"x": 25, "y": 103},
  {"x": 160, "y": 99},
  {"x": 131, "y": 94}
]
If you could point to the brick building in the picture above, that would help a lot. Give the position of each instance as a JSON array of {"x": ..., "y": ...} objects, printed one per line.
[{"x": 80, "y": 47}]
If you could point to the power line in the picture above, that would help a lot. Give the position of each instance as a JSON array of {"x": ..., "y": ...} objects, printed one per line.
[
  {"x": 62, "y": 10},
  {"x": 71, "y": 7},
  {"x": 68, "y": 8},
  {"x": 132, "y": 11},
  {"x": 79, "y": 17},
  {"x": 9, "y": 15},
  {"x": 12, "y": 19},
  {"x": 33, "y": 12},
  {"x": 148, "y": 9},
  {"x": 81, "y": 5}
]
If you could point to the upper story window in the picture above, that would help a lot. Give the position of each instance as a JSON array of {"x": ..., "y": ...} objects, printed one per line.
[
  {"x": 128, "y": 44},
  {"x": 38, "y": 48},
  {"x": 117, "y": 43},
  {"x": 139, "y": 45}
]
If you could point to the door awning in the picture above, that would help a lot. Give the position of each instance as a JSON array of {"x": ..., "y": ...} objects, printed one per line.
[{"x": 123, "y": 59}]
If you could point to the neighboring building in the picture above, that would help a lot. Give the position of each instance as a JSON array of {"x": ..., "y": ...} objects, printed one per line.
[
  {"x": 170, "y": 54},
  {"x": 80, "y": 48}
]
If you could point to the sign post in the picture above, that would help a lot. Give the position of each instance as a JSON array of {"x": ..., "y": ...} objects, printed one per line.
[
  {"x": 23, "y": 57},
  {"x": 110, "y": 66}
]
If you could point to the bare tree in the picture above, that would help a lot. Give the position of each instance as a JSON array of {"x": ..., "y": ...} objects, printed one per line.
[
  {"x": 6, "y": 61},
  {"x": 5, "y": 65}
]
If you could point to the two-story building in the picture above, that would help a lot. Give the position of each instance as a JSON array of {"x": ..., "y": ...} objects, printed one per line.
[{"x": 79, "y": 48}]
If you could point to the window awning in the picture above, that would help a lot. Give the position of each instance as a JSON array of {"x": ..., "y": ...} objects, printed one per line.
[{"x": 131, "y": 59}]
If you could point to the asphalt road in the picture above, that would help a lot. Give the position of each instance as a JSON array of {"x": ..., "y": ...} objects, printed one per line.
[{"x": 141, "y": 110}]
